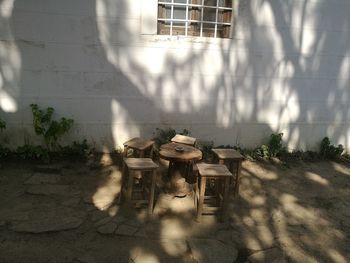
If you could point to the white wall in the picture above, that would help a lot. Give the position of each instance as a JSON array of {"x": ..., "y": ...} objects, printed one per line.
[{"x": 286, "y": 70}]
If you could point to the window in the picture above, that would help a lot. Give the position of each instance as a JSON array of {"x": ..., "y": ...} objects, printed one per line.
[{"x": 203, "y": 18}]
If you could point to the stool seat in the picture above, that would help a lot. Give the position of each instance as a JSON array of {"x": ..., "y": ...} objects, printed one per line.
[
  {"x": 184, "y": 139},
  {"x": 227, "y": 154},
  {"x": 213, "y": 170},
  {"x": 140, "y": 163},
  {"x": 138, "y": 143}
]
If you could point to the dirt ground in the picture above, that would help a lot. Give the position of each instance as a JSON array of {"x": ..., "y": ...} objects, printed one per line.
[{"x": 67, "y": 212}]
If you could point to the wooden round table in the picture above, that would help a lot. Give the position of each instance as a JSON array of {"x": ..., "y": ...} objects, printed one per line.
[{"x": 180, "y": 166}]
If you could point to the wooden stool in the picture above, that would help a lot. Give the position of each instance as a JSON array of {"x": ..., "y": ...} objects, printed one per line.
[
  {"x": 184, "y": 139},
  {"x": 231, "y": 157},
  {"x": 139, "y": 144},
  {"x": 134, "y": 166},
  {"x": 220, "y": 174}
]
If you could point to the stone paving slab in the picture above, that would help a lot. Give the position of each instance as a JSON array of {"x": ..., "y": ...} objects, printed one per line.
[
  {"x": 212, "y": 251},
  {"x": 47, "y": 225},
  {"x": 273, "y": 255},
  {"x": 48, "y": 189},
  {"x": 49, "y": 219},
  {"x": 43, "y": 178}
]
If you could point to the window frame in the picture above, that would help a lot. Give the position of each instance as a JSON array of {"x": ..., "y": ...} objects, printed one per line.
[{"x": 195, "y": 17}]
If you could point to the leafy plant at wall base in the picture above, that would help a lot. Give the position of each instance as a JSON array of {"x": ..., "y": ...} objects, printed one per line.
[
  {"x": 275, "y": 144},
  {"x": 4, "y": 152},
  {"x": 206, "y": 148},
  {"x": 2, "y": 125},
  {"x": 77, "y": 150},
  {"x": 330, "y": 151},
  {"x": 50, "y": 129},
  {"x": 30, "y": 152}
]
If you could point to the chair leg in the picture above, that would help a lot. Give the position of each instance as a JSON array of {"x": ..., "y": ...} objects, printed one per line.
[
  {"x": 201, "y": 198},
  {"x": 151, "y": 196}
]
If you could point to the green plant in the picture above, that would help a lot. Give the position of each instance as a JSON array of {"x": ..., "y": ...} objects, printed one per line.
[
  {"x": 206, "y": 148},
  {"x": 77, "y": 150},
  {"x": 2, "y": 125},
  {"x": 30, "y": 152},
  {"x": 275, "y": 144},
  {"x": 329, "y": 151},
  {"x": 50, "y": 129},
  {"x": 4, "y": 152}
]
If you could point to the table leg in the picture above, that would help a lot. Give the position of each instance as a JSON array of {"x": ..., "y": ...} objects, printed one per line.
[
  {"x": 201, "y": 198},
  {"x": 153, "y": 187}
]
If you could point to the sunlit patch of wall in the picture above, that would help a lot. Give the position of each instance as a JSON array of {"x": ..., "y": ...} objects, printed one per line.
[{"x": 10, "y": 61}]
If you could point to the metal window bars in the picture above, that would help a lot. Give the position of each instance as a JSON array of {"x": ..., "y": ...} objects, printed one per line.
[{"x": 187, "y": 21}]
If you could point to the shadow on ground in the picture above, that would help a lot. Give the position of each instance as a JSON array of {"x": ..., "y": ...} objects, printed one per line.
[{"x": 68, "y": 213}]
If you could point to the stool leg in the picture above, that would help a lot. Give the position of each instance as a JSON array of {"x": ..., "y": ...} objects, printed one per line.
[
  {"x": 130, "y": 186},
  {"x": 238, "y": 175},
  {"x": 125, "y": 153},
  {"x": 151, "y": 153},
  {"x": 225, "y": 198},
  {"x": 151, "y": 197},
  {"x": 201, "y": 198},
  {"x": 122, "y": 183}
]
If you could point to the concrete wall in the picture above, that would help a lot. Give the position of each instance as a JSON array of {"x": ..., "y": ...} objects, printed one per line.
[{"x": 285, "y": 70}]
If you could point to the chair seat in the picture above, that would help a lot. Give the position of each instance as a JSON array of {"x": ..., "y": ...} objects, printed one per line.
[
  {"x": 227, "y": 154},
  {"x": 140, "y": 163},
  {"x": 139, "y": 144},
  {"x": 213, "y": 170}
]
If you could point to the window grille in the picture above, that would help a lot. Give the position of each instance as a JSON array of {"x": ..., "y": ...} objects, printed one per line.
[{"x": 203, "y": 18}]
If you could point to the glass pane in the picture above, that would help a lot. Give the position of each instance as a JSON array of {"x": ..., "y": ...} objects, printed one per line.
[
  {"x": 209, "y": 14},
  {"x": 164, "y": 28},
  {"x": 178, "y": 13},
  {"x": 208, "y": 30},
  {"x": 194, "y": 29},
  {"x": 210, "y": 2},
  {"x": 179, "y": 30}
]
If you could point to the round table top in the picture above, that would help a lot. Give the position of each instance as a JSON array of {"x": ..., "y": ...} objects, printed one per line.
[{"x": 168, "y": 152}]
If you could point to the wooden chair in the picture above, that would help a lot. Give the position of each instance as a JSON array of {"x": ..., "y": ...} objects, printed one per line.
[
  {"x": 233, "y": 160},
  {"x": 184, "y": 139},
  {"x": 141, "y": 145},
  {"x": 132, "y": 168},
  {"x": 221, "y": 176}
]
